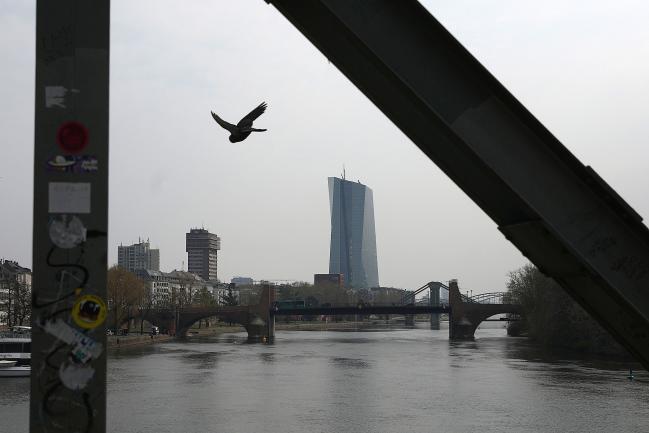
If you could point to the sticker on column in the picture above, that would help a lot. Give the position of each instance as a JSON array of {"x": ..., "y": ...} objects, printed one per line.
[
  {"x": 69, "y": 197},
  {"x": 72, "y": 164},
  {"x": 84, "y": 348},
  {"x": 55, "y": 96},
  {"x": 89, "y": 311},
  {"x": 67, "y": 231},
  {"x": 75, "y": 376},
  {"x": 72, "y": 136}
]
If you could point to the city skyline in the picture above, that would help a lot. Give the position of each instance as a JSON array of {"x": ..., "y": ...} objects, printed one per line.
[{"x": 171, "y": 168}]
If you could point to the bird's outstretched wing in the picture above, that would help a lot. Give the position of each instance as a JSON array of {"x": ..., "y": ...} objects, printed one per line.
[
  {"x": 225, "y": 125},
  {"x": 247, "y": 121}
]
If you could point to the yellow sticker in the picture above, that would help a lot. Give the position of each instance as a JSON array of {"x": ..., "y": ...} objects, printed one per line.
[{"x": 89, "y": 311}]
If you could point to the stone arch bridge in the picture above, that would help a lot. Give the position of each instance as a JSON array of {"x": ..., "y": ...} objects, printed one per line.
[{"x": 254, "y": 318}]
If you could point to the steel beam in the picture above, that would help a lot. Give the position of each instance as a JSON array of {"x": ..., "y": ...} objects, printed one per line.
[
  {"x": 557, "y": 211},
  {"x": 68, "y": 382}
]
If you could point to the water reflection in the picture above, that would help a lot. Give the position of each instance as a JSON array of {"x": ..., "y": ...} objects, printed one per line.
[
  {"x": 202, "y": 360},
  {"x": 350, "y": 363}
]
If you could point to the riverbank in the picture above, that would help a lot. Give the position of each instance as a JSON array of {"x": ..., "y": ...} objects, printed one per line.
[
  {"x": 137, "y": 340},
  {"x": 214, "y": 330},
  {"x": 127, "y": 341},
  {"x": 335, "y": 326}
]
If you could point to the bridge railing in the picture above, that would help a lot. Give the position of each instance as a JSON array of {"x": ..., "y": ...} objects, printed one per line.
[
  {"x": 409, "y": 297},
  {"x": 491, "y": 298}
]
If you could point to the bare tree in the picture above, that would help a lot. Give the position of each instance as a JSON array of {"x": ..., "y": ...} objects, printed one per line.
[
  {"x": 229, "y": 299},
  {"x": 147, "y": 301},
  {"x": 22, "y": 304},
  {"x": 125, "y": 292},
  {"x": 16, "y": 302}
]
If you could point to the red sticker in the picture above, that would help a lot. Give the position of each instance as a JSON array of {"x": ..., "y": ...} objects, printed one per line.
[{"x": 72, "y": 137}]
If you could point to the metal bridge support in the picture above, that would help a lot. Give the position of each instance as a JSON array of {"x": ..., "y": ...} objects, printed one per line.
[
  {"x": 558, "y": 212},
  {"x": 433, "y": 300}
]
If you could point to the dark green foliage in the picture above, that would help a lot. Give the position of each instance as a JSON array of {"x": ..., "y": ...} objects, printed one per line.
[
  {"x": 553, "y": 318},
  {"x": 230, "y": 299},
  {"x": 205, "y": 298}
]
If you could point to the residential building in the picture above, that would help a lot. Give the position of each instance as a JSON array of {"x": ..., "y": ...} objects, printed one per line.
[
  {"x": 184, "y": 286},
  {"x": 219, "y": 291},
  {"x": 353, "y": 238},
  {"x": 242, "y": 281},
  {"x": 15, "y": 293},
  {"x": 202, "y": 248},
  {"x": 329, "y": 280},
  {"x": 179, "y": 288},
  {"x": 138, "y": 256},
  {"x": 157, "y": 285}
]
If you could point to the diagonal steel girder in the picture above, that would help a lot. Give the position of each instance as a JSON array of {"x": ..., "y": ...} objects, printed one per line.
[{"x": 556, "y": 211}]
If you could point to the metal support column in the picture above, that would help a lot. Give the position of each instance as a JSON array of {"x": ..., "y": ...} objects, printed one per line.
[
  {"x": 68, "y": 382},
  {"x": 433, "y": 301}
]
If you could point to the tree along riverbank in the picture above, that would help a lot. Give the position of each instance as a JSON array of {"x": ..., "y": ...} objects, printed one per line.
[{"x": 553, "y": 319}]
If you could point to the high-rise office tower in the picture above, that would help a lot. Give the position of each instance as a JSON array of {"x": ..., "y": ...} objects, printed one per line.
[
  {"x": 353, "y": 237},
  {"x": 202, "y": 247},
  {"x": 138, "y": 256}
]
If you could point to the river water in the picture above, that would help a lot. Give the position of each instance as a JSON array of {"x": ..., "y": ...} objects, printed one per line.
[{"x": 381, "y": 381}]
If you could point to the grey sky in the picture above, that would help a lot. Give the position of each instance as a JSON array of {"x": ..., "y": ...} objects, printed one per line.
[{"x": 581, "y": 67}]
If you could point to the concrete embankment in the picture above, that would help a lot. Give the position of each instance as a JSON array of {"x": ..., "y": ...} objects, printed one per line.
[
  {"x": 137, "y": 340},
  {"x": 334, "y": 326},
  {"x": 214, "y": 330},
  {"x": 119, "y": 342}
]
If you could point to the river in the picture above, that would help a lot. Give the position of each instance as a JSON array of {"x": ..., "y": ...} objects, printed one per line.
[{"x": 381, "y": 381}]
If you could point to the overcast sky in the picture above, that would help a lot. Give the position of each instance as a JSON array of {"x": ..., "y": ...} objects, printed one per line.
[{"x": 581, "y": 67}]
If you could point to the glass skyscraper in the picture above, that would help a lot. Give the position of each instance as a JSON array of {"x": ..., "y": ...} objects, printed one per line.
[{"x": 353, "y": 237}]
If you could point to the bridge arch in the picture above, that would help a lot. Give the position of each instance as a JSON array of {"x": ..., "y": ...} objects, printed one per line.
[
  {"x": 187, "y": 319},
  {"x": 163, "y": 318},
  {"x": 467, "y": 313},
  {"x": 255, "y": 318}
]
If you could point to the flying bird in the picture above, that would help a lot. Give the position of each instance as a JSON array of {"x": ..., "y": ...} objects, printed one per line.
[{"x": 241, "y": 130}]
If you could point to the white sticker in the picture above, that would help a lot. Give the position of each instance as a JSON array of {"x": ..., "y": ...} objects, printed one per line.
[
  {"x": 67, "y": 231},
  {"x": 85, "y": 348},
  {"x": 55, "y": 96},
  {"x": 75, "y": 377},
  {"x": 69, "y": 197}
]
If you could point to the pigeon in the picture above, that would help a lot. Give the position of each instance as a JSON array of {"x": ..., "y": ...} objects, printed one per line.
[{"x": 241, "y": 130}]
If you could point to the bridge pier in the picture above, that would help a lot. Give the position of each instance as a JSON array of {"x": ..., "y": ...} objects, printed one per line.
[
  {"x": 261, "y": 323},
  {"x": 435, "y": 321},
  {"x": 433, "y": 300},
  {"x": 462, "y": 328},
  {"x": 261, "y": 330},
  {"x": 409, "y": 320},
  {"x": 466, "y": 316}
]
